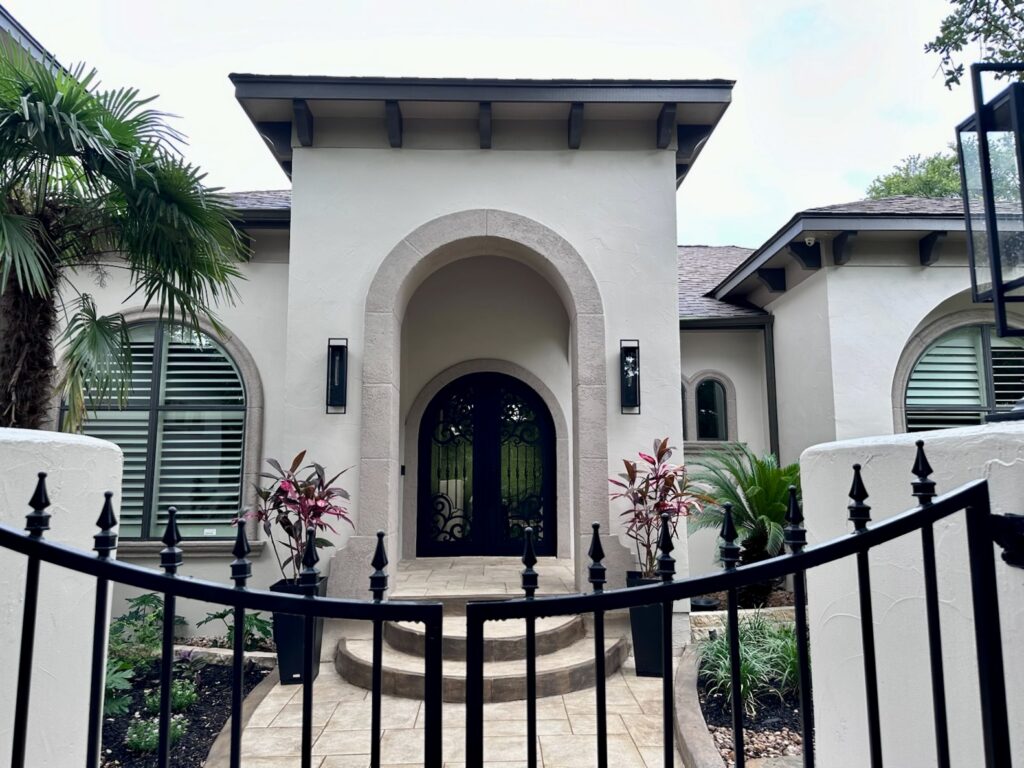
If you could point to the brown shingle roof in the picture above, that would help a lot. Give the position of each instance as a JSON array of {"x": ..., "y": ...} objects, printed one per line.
[
  {"x": 701, "y": 268},
  {"x": 261, "y": 200},
  {"x": 899, "y": 205}
]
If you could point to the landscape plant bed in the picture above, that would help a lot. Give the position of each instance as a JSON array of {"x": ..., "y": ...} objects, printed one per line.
[
  {"x": 774, "y": 731},
  {"x": 206, "y": 717},
  {"x": 777, "y": 598}
]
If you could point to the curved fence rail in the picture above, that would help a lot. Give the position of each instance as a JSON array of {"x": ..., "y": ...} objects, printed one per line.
[
  {"x": 309, "y": 606},
  {"x": 982, "y": 527}
]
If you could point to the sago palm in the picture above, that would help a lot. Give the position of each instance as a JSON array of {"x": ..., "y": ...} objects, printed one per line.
[
  {"x": 92, "y": 182},
  {"x": 758, "y": 489}
]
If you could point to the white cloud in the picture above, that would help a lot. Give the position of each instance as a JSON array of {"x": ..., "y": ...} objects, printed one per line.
[{"x": 829, "y": 94}]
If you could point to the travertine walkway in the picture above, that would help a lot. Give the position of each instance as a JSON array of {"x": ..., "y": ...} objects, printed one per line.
[
  {"x": 454, "y": 576},
  {"x": 565, "y": 727}
]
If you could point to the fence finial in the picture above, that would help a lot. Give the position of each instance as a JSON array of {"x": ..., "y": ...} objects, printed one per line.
[
  {"x": 106, "y": 539},
  {"x": 795, "y": 534},
  {"x": 530, "y": 579},
  {"x": 241, "y": 567},
  {"x": 923, "y": 488},
  {"x": 730, "y": 550},
  {"x": 596, "y": 569},
  {"x": 38, "y": 520},
  {"x": 309, "y": 576},
  {"x": 171, "y": 555},
  {"x": 666, "y": 563},
  {"x": 379, "y": 577},
  {"x": 860, "y": 513}
]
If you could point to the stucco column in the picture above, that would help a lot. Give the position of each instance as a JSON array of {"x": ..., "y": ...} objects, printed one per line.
[
  {"x": 994, "y": 452},
  {"x": 80, "y": 469}
]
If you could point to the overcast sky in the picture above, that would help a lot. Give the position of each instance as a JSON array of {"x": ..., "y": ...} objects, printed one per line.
[{"x": 829, "y": 93}]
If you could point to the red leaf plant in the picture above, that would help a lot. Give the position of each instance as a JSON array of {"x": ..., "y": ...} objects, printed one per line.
[
  {"x": 654, "y": 488},
  {"x": 298, "y": 498}
]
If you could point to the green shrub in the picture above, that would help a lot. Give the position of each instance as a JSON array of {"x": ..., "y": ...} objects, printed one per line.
[
  {"x": 183, "y": 696},
  {"x": 769, "y": 663},
  {"x": 119, "y": 680},
  {"x": 135, "y": 636},
  {"x": 255, "y": 629},
  {"x": 144, "y": 735}
]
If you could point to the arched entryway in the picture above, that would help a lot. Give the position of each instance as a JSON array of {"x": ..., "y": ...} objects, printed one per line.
[{"x": 486, "y": 469}]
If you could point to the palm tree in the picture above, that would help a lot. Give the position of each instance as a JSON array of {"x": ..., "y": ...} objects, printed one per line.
[
  {"x": 758, "y": 489},
  {"x": 93, "y": 181}
]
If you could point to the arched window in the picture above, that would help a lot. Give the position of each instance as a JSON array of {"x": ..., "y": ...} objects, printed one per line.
[
  {"x": 182, "y": 431},
  {"x": 963, "y": 375},
  {"x": 712, "y": 419}
]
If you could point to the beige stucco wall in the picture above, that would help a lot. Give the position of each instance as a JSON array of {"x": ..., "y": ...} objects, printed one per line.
[
  {"x": 803, "y": 351},
  {"x": 616, "y": 208},
  {"x": 80, "y": 470},
  {"x": 739, "y": 355},
  {"x": 994, "y": 452}
]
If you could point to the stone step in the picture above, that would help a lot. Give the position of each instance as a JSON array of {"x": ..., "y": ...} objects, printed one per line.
[
  {"x": 566, "y": 670},
  {"x": 503, "y": 640},
  {"x": 454, "y": 601}
]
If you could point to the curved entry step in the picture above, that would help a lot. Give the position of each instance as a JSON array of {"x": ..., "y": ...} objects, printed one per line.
[
  {"x": 503, "y": 640},
  {"x": 567, "y": 669}
]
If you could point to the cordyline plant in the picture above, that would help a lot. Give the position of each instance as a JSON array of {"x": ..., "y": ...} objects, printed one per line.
[
  {"x": 298, "y": 498},
  {"x": 653, "y": 488}
]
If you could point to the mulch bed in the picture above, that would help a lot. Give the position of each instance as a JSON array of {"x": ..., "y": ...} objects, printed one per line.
[
  {"x": 206, "y": 718},
  {"x": 773, "y": 732},
  {"x": 777, "y": 598}
]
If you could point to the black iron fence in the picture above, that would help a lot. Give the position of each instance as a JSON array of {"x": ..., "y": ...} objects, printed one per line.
[
  {"x": 982, "y": 528},
  {"x": 972, "y": 499},
  {"x": 308, "y": 606}
]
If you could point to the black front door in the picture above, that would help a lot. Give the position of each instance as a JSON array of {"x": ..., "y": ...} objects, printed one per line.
[{"x": 486, "y": 469}]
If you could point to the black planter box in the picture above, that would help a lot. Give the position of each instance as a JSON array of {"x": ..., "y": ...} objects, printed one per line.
[
  {"x": 645, "y": 625},
  {"x": 288, "y": 632}
]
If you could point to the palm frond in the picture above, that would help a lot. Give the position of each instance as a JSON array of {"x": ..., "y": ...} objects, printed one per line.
[
  {"x": 97, "y": 361},
  {"x": 21, "y": 251}
]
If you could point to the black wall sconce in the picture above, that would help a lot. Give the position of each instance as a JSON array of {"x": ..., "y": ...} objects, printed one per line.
[
  {"x": 337, "y": 375},
  {"x": 629, "y": 374}
]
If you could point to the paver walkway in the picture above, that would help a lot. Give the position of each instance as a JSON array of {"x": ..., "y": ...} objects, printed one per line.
[
  {"x": 454, "y": 576},
  {"x": 565, "y": 727}
]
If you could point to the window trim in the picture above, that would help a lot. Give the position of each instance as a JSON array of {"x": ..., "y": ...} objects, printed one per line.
[
  {"x": 252, "y": 436},
  {"x": 689, "y": 387},
  {"x": 919, "y": 343}
]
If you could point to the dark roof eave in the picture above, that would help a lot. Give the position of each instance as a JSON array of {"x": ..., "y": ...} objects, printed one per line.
[
  {"x": 895, "y": 222},
  {"x": 256, "y": 86},
  {"x": 264, "y": 218}
]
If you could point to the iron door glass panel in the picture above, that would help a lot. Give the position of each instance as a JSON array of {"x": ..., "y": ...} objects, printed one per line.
[
  {"x": 486, "y": 469},
  {"x": 449, "y": 479}
]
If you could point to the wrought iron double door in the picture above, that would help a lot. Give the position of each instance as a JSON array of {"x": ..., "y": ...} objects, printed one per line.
[{"x": 486, "y": 469}]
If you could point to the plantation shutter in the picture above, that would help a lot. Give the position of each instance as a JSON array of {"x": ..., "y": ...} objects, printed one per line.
[
  {"x": 194, "y": 432},
  {"x": 1007, "y": 370},
  {"x": 947, "y": 386}
]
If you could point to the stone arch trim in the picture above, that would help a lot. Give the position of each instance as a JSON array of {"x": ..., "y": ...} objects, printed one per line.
[
  {"x": 429, "y": 247},
  {"x": 562, "y": 445},
  {"x": 919, "y": 341},
  {"x": 254, "y": 404},
  {"x": 690, "y": 384}
]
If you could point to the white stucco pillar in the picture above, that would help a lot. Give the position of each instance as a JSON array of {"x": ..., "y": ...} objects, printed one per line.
[
  {"x": 994, "y": 452},
  {"x": 80, "y": 469}
]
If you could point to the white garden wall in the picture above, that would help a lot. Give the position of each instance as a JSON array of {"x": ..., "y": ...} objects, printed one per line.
[
  {"x": 994, "y": 452},
  {"x": 80, "y": 470}
]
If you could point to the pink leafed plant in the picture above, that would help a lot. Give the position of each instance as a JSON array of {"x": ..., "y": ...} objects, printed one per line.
[
  {"x": 298, "y": 498},
  {"x": 652, "y": 487}
]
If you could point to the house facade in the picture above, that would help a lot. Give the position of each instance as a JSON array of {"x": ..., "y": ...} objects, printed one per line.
[
  {"x": 450, "y": 302},
  {"x": 440, "y": 307}
]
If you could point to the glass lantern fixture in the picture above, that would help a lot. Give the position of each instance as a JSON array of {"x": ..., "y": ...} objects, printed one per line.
[
  {"x": 629, "y": 375},
  {"x": 337, "y": 375},
  {"x": 989, "y": 150}
]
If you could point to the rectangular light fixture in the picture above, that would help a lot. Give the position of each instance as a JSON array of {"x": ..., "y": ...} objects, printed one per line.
[
  {"x": 337, "y": 375},
  {"x": 629, "y": 373}
]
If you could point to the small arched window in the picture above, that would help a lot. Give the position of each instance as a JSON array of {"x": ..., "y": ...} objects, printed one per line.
[
  {"x": 182, "y": 431},
  {"x": 962, "y": 376},
  {"x": 712, "y": 419}
]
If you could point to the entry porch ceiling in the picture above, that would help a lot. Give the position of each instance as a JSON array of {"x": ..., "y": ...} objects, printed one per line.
[{"x": 285, "y": 108}]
